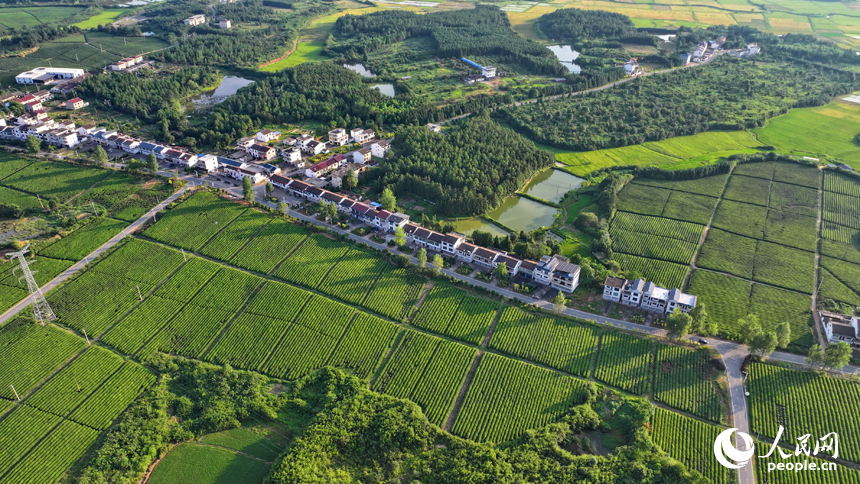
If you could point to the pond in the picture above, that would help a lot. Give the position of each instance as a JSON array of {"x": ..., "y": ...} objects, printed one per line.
[
  {"x": 552, "y": 184},
  {"x": 566, "y": 55},
  {"x": 229, "y": 85},
  {"x": 470, "y": 225},
  {"x": 520, "y": 213},
  {"x": 359, "y": 68},
  {"x": 387, "y": 89}
]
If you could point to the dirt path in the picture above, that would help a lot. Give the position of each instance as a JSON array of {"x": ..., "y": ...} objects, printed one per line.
[{"x": 295, "y": 46}]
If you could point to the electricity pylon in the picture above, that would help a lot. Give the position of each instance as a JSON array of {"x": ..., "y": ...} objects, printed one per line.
[{"x": 41, "y": 310}]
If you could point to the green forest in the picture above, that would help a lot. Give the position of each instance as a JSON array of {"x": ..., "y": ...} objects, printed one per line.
[
  {"x": 469, "y": 170},
  {"x": 484, "y": 30}
]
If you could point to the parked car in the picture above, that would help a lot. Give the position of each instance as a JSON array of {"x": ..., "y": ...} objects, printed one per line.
[{"x": 703, "y": 341}]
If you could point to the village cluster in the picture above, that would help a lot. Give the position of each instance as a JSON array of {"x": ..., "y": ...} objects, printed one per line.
[{"x": 706, "y": 50}]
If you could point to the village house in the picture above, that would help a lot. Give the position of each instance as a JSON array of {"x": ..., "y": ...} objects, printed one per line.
[
  {"x": 224, "y": 24},
  {"x": 245, "y": 143},
  {"x": 260, "y": 151},
  {"x": 362, "y": 136},
  {"x": 678, "y": 301},
  {"x": 338, "y": 175},
  {"x": 75, "y": 103},
  {"x": 841, "y": 328},
  {"x": 380, "y": 148},
  {"x": 338, "y": 137},
  {"x": 557, "y": 272},
  {"x": 322, "y": 168},
  {"x": 612, "y": 288},
  {"x": 266, "y": 135},
  {"x": 465, "y": 251},
  {"x": 512, "y": 264},
  {"x": 124, "y": 64},
  {"x": 654, "y": 298},
  {"x": 293, "y": 156},
  {"x": 527, "y": 268},
  {"x": 632, "y": 294},
  {"x": 485, "y": 257},
  {"x": 195, "y": 20},
  {"x": 361, "y": 156},
  {"x": 313, "y": 147}
]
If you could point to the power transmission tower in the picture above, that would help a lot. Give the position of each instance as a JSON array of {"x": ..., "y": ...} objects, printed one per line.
[{"x": 41, "y": 310}]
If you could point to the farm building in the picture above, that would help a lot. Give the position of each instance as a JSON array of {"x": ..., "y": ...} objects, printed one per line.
[
  {"x": 75, "y": 103},
  {"x": 195, "y": 20},
  {"x": 47, "y": 75}
]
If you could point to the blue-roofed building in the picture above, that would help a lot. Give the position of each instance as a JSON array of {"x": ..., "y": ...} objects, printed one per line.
[
  {"x": 272, "y": 169},
  {"x": 146, "y": 147}
]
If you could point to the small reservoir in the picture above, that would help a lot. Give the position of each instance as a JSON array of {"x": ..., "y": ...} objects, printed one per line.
[
  {"x": 551, "y": 185},
  {"x": 566, "y": 55},
  {"x": 229, "y": 85},
  {"x": 387, "y": 89},
  {"x": 360, "y": 69},
  {"x": 523, "y": 214}
]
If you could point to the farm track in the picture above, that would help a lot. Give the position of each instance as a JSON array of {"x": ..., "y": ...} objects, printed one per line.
[{"x": 822, "y": 340}]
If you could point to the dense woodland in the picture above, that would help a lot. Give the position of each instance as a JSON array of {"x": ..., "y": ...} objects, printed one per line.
[
  {"x": 577, "y": 26},
  {"x": 356, "y": 435},
  {"x": 730, "y": 94},
  {"x": 468, "y": 170},
  {"x": 264, "y": 33},
  {"x": 484, "y": 30},
  {"x": 146, "y": 95}
]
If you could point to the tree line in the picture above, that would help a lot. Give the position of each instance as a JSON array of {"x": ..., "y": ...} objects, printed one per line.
[
  {"x": 727, "y": 94},
  {"x": 576, "y": 26}
]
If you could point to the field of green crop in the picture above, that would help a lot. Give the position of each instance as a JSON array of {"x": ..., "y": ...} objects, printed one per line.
[
  {"x": 804, "y": 409},
  {"x": 23, "y": 342},
  {"x": 655, "y": 237},
  {"x": 686, "y": 379},
  {"x": 55, "y": 180},
  {"x": 192, "y": 223},
  {"x": 625, "y": 361},
  {"x": 353, "y": 276},
  {"x": 232, "y": 238},
  {"x": 711, "y": 186},
  {"x": 688, "y": 440},
  {"x": 507, "y": 396},
  {"x": 662, "y": 273},
  {"x": 84, "y": 240},
  {"x": 193, "y": 463},
  {"x": 428, "y": 371},
  {"x": 311, "y": 262},
  {"x": 449, "y": 310},
  {"x": 560, "y": 344},
  {"x": 257, "y": 255},
  {"x": 126, "y": 197}
]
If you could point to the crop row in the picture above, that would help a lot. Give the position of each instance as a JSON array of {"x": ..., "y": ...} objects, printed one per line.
[
  {"x": 20, "y": 431},
  {"x": 842, "y": 209},
  {"x": 310, "y": 263},
  {"x": 248, "y": 341},
  {"x": 301, "y": 351},
  {"x": 187, "y": 281},
  {"x": 685, "y": 379},
  {"x": 711, "y": 186},
  {"x": 11, "y": 163},
  {"x": 353, "y": 276},
  {"x": 189, "y": 333},
  {"x": 625, "y": 361},
  {"x": 838, "y": 183},
  {"x": 442, "y": 379},
  {"x": 395, "y": 293},
  {"x": 841, "y": 251},
  {"x": 748, "y": 190},
  {"x": 278, "y": 300},
  {"x": 507, "y": 397},
  {"x": 242, "y": 229},
  {"x": 652, "y": 246},
  {"x": 364, "y": 343},
  {"x": 84, "y": 240},
  {"x": 405, "y": 366},
  {"x": 142, "y": 261},
  {"x": 49, "y": 460},
  {"x": 690, "y": 207},
  {"x": 104, "y": 405},
  {"x": 807, "y": 409},
  {"x": 124, "y": 196},
  {"x": 55, "y": 180},
  {"x": 473, "y": 319},
  {"x": 560, "y": 344},
  {"x": 795, "y": 199},
  {"x": 270, "y": 246},
  {"x": 131, "y": 332},
  {"x": 191, "y": 223},
  {"x": 438, "y": 308},
  {"x": 833, "y": 288},
  {"x": 94, "y": 301},
  {"x": 26, "y": 360},
  {"x": 662, "y": 273},
  {"x": 846, "y": 272},
  {"x": 76, "y": 381},
  {"x": 227, "y": 290},
  {"x": 44, "y": 270},
  {"x": 664, "y": 227},
  {"x": 688, "y": 441},
  {"x": 839, "y": 233},
  {"x": 643, "y": 199}
]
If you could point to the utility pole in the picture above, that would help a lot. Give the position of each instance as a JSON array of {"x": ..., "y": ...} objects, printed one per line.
[
  {"x": 183, "y": 258},
  {"x": 16, "y": 393},
  {"x": 85, "y": 336},
  {"x": 40, "y": 201},
  {"x": 42, "y": 312},
  {"x": 139, "y": 296}
]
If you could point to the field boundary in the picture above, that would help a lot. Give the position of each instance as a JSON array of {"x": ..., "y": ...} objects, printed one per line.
[{"x": 238, "y": 312}]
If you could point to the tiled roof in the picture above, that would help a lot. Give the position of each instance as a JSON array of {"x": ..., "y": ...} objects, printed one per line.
[
  {"x": 614, "y": 282},
  {"x": 485, "y": 253}
]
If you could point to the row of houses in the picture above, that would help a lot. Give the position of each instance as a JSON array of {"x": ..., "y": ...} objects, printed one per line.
[
  {"x": 33, "y": 102},
  {"x": 124, "y": 64},
  {"x": 647, "y": 295},
  {"x": 339, "y": 137},
  {"x": 555, "y": 271},
  {"x": 40, "y": 125}
]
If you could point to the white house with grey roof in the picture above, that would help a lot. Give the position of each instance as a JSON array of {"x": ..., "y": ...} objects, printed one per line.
[{"x": 557, "y": 272}]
